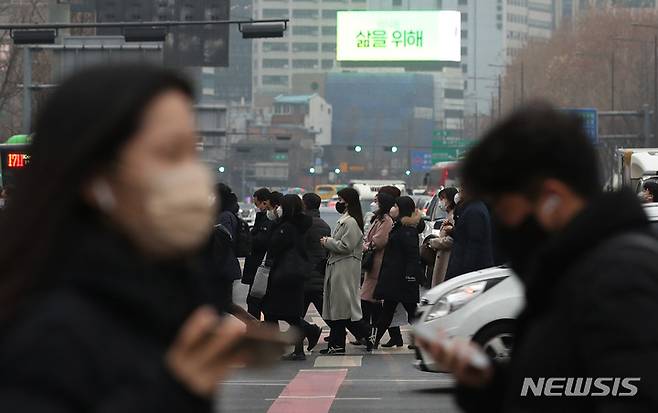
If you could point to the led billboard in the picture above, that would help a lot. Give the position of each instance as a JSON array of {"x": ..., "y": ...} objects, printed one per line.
[{"x": 411, "y": 36}]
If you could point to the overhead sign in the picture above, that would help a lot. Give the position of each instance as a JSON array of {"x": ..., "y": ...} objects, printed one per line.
[
  {"x": 590, "y": 117},
  {"x": 449, "y": 149},
  {"x": 421, "y": 161},
  {"x": 398, "y": 36}
]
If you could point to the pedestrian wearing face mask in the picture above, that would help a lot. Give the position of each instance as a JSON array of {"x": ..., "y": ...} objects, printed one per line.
[
  {"x": 290, "y": 264},
  {"x": 590, "y": 282},
  {"x": 260, "y": 235},
  {"x": 274, "y": 210},
  {"x": 401, "y": 269},
  {"x": 443, "y": 243},
  {"x": 375, "y": 241},
  {"x": 104, "y": 305},
  {"x": 342, "y": 307},
  {"x": 472, "y": 247}
]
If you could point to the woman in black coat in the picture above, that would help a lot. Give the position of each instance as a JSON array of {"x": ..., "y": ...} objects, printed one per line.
[
  {"x": 289, "y": 267},
  {"x": 103, "y": 302},
  {"x": 398, "y": 278}
]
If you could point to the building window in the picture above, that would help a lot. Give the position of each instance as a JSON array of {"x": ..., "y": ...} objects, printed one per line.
[
  {"x": 328, "y": 64},
  {"x": 463, "y": 2},
  {"x": 453, "y": 93},
  {"x": 464, "y": 68},
  {"x": 464, "y": 17},
  {"x": 305, "y": 14},
  {"x": 397, "y": 3},
  {"x": 275, "y": 13},
  {"x": 305, "y": 64},
  {"x": 464, "y": 34},
  {"x": 464, "y": 50},
  {"x": 453, "y": 113},
  {"x": 275, "y": 47},
  {"x": 305, "y": 30},
  {"x": 305, "y": 47},
  {"x": 275, "y": 80},
  {"x": 329, "y": 14},
  {"x": 275, "y": 63},
  {"x": 328, "y": 30},
  {"x": 329, "y": 47}
]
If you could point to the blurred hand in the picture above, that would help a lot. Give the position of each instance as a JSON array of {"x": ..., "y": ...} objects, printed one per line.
[
  {"x": 203, "y": 352},
  {"x": 323, "y": 241},
  {"x": 456, "y": 358}
]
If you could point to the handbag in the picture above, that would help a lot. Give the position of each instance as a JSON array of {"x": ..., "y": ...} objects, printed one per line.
[
  {"x": 368, "y": 260},
  {"x": 261, "y": 279},
  {"x": 293, "y": 268}
]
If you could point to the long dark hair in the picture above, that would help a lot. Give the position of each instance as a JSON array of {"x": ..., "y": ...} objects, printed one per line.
[
  {"x": 351, "y": 196},
  {"x": 291, "y": 206},
  {"x": 449, "y": 194},
  {"x": 79, "y": 133},
  {"x": 385, "y": 202}
]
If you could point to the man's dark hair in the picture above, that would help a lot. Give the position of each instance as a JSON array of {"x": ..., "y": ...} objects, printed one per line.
[
  {"x": 262, "y": 194},
  {"x": 534, "y": 143},
  {"x": 275, "y": 198},
  {"x": 311, "y": 201}
]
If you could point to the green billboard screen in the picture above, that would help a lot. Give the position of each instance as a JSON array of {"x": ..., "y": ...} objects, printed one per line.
[{"x": 411, "y": 36}]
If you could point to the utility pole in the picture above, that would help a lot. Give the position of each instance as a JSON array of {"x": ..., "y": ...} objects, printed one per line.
[
  {"x": 522, "y": 82},
  {"x": 612, "y": 80},
  {"x": 500, "y": 95},
  {"x": 27, "y": 90}
]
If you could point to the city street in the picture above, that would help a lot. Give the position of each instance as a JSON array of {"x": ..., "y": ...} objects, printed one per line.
[{"x": 384, "y": 381}]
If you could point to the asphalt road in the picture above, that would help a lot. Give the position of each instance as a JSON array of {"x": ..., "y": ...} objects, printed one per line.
[{"x": 384, "y": 381}]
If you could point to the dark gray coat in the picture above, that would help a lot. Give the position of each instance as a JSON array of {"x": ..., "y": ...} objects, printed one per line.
[
  {"x": 472, "y": 247},
  {"x": 316, "y": 253}
]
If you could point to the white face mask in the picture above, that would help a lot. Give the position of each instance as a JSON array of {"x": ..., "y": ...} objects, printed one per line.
[
  {"x": 442, "y": 205},
  {"x": 458, "y": 197},
  {"x": 271, "y": 215},
  {"x": 374, "y": 206},
  {"x": 279, "y": 211},
  {"x": 178, "y": 210}
]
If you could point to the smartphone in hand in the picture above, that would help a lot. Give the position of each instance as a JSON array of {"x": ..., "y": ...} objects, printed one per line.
[{"x": 477, "y": 360}]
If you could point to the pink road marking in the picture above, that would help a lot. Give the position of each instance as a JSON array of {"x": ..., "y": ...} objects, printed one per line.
[{"x": 311, "y": 391}]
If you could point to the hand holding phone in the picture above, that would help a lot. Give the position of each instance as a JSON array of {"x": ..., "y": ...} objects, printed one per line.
[{"x": 464, "y": 359}]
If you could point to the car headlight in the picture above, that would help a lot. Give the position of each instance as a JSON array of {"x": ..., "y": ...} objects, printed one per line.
[{"x": 459, "y": 297}]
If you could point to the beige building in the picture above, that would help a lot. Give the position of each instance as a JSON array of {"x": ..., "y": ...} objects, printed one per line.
[{"x": 308, "y": 46}]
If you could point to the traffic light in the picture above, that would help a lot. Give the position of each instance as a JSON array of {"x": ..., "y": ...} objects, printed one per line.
[
  {"x": 393, "y": 149},
  {"x": 221, "y": 169},
  {"x": 355, "y": 148},
  {"x": 311, "y": 170}
]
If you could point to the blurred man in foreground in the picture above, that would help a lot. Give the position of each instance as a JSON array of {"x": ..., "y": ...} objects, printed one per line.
[{"x": 590, "y": 267}]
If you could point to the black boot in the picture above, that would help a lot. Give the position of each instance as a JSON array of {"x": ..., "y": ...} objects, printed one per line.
[{"x": 395, "y": 337}]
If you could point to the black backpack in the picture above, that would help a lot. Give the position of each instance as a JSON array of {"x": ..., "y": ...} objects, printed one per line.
[{"x": 243, "y": 243}]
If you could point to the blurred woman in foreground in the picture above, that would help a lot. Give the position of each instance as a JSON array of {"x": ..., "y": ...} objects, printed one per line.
[{"x": 103, "y": 305}]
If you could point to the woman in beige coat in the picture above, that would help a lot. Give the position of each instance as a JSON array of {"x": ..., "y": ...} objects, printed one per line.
[
  {"x": 443, "y": 243},
  {"x": 376, "y": 240},
  {"x": 341, "y": 307}
]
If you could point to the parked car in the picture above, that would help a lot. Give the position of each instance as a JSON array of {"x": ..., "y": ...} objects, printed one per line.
[
  {"x": 247, "y": 213},
  {"x": 482, "y": 306}
]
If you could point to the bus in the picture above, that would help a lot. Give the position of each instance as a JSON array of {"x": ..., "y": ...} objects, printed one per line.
[
  {"x": 13, "y": 159},
  {"x": 442, "y": 174}
]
